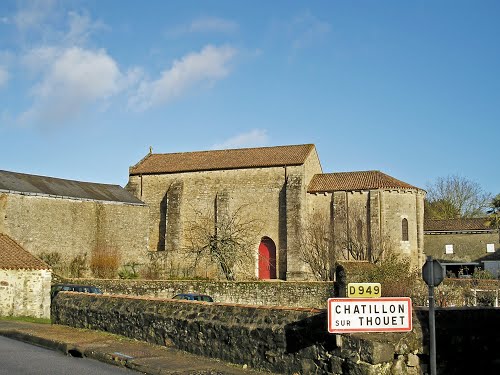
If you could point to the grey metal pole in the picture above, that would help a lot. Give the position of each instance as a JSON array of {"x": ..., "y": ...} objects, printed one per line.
[{"x": 432, "y": 323}]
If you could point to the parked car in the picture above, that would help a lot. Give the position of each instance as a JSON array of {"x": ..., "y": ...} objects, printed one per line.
[
  {"x": 73, "y": 288},
  {"x": 193, "y": 297}
]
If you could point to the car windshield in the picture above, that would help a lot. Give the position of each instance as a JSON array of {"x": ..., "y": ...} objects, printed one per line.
[
  {"x": 75, "y": 288},
  {"x": 193, "y": 297}
]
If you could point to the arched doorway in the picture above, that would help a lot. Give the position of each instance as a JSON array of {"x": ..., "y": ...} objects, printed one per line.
[{"x": 267, "y": 259}]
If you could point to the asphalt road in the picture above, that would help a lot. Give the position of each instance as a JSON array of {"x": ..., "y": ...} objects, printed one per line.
[{"x": 19, "y": 358}]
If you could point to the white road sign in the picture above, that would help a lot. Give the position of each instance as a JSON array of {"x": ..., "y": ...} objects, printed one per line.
[{"x": 387, "y": 314}]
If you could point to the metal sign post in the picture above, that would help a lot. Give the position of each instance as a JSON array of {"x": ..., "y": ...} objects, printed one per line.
[{"x": 433, "y": 275}]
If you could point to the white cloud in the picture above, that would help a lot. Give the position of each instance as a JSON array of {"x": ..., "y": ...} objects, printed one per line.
[
  {"x": 212, "y": 24},
  {"x": 206, "y": 66},
  {"x": 67, "y": 77},
  {"x": 49, "y": 21},
  {"x": 33, "y": 13},
  {"x": 4, "y": 76},
  {"x": 73, "y": 79},
  {"x": 254, "y": 138},
  {"x": 80, "y": 28},
  {"x": 307, "y": 30},
  {"x": 92, "y": 74},
  {"x": 40, "y": 58},
  {"x": 205, "y": 25}
]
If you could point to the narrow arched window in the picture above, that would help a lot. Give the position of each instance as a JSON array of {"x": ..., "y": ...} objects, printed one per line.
[{"x": 404, "y": 229}]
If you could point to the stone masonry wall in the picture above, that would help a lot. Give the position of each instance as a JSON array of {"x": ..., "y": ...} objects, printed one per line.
[
  {"x": 381, "y": 213},
  {"x": 399, "y": 204},
  {"x": 281, "y": 340},
  {"x": 467, "y": 247},
  {"x": 25, "y": 293},
  {"x": 258, "y": 190},
  {"x": 291, "y": 341},
  {"x": 73, "y": 227},
  {"x": 291, "y": 294},
  {"x": 296, "y": 269}
]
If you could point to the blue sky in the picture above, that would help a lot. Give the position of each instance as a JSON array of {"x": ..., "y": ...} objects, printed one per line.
[{"x": 411, "y": 88}]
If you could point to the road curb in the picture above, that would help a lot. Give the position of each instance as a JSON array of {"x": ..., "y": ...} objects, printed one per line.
[
  {"x": 75, "y": 351},
  {"x": 36, "y": 340},
  {"x": 149, "y": 364}
]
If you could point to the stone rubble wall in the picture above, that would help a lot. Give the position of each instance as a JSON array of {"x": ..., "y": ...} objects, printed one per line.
[
  {"x": 291, "y": 340},
  {"x": 290, "y": 293},
  {"x": 281, "y": 340}
]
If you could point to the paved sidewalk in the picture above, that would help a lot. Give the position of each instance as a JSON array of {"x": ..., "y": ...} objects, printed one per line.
[{"x": 118, "y": 350}]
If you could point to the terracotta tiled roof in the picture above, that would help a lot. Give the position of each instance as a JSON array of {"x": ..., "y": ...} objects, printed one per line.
[
  {"x": 14, "y": 257},
  {"x": 57, "y": 187},
  {"x": 457, "y": 225},
  {"x": 223, "y": 159},
  {"x": 348, "y": 181}
]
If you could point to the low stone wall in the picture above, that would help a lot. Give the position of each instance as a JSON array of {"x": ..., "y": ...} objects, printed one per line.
[
  {"x": 281, "y": 340},
  {"x": 276, "y": 293}
]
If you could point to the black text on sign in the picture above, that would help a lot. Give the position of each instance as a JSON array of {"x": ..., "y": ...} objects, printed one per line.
[{"x": 389, "y": 314}]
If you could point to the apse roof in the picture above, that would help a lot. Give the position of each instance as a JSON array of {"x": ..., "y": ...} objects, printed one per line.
[{"x": 349, "y": 181}]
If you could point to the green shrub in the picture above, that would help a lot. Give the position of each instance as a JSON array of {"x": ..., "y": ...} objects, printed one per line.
[
  {"x": 482, "y": 274},
  {"x": 129, "y": 271},
  {"x": 53, "y": 259},
  {"x": 398, "y": 278},
  {"x": 78, "y": 266}
]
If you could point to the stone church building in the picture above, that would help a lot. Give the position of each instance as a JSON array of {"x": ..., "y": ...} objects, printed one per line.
[{"x": 282, "y": 188}]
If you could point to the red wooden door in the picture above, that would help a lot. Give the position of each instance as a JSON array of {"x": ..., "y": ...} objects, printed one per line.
[{"x": 267, "y": 259}]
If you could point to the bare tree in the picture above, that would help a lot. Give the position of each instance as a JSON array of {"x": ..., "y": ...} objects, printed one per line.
[
  {"x": 494, "y": 214},
  {"x": 317, "y": 248},
  {"x": 355, "y": 237},
  {"x": 363, "y": 249},
  {"x": 227, "y": 239},
  {"x": 322, "y": 246},
  {"x": 455, "y": 197}
]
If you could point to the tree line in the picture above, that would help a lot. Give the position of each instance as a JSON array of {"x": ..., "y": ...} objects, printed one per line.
[{"x": 456, "y": 197}]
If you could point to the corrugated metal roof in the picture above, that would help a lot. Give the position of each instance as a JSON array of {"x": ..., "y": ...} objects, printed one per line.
[
  {"x": 32, "y": 184},
  {"x": 349, "y": 181},
  {"x": 223, "y": 159},
  {"x": 457, "y": 225},
  {"x": 14, "y": 257}
]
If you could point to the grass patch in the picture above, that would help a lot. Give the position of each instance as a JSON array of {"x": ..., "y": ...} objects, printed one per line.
[{"x": 28, "y": 319}]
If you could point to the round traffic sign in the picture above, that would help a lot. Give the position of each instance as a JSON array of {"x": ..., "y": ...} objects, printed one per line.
[{"x": 432, "y": 272}]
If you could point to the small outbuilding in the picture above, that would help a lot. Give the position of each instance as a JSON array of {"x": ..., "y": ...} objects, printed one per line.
[
  {"x": 463, "y": 245},
  {"x": 24, "y": 281}
]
